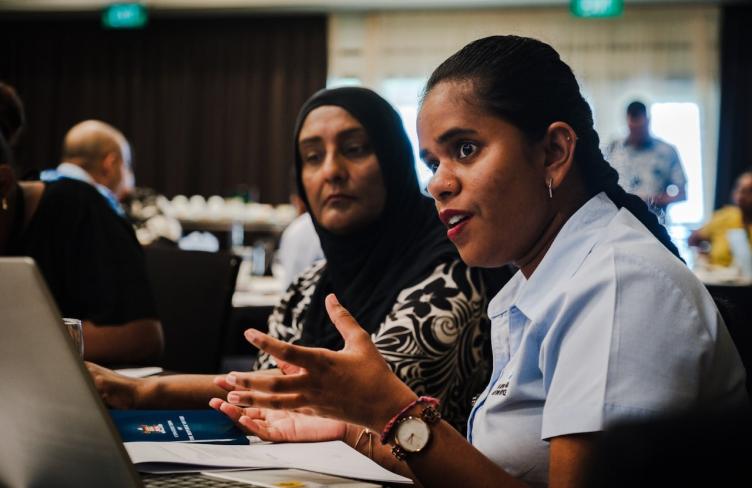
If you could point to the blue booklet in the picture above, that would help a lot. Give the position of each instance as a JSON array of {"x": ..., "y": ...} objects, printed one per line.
[{"x": 201, "y": 426}]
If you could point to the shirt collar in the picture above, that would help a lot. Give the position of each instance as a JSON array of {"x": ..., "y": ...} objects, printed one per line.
[
  {"x": 75, "y": 172},
  {"x": 70, "y": 170},
  {"x": 649, "y": 143},
  {"x": 506, "y": 296},
  {"x": 571, "y": 246}
]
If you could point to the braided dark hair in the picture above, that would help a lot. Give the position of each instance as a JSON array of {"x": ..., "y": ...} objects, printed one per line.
[{"x": 525, "y": 82}]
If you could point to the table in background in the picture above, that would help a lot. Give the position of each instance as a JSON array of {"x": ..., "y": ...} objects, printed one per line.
[
  {"x": 253, "y": 301},
  {"x": 733, "y": 295}
]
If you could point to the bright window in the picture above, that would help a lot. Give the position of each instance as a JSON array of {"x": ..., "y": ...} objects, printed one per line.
[
  {"x": 404, "y": 94},
  {"x": 679, "y": 124}
]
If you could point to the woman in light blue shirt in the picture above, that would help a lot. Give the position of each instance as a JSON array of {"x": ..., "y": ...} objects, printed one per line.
[{"x": 602, "y": 323}]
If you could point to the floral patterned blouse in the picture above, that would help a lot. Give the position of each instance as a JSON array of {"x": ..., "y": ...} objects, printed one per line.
[{"x": 434, "y": 338}]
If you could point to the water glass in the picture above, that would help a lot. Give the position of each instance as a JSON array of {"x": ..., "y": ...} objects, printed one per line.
[{"x": 75, "y": 329}]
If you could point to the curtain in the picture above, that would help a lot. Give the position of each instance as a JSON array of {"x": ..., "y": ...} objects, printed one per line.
[
  {"x": 734, "y": 151},
  {"x": 208, "y": 103}
]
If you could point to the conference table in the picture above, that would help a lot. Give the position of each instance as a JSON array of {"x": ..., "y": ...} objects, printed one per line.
[{"x": 733, "y": 294}]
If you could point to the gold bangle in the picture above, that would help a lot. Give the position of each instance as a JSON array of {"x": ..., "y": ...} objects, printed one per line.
[{"x": 369, "y": 434}]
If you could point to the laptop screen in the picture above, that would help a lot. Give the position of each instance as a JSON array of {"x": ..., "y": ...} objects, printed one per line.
[{"x": 55, "y": 430}]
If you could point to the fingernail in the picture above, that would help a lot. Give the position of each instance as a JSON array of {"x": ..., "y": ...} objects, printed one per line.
[
  {"x": 243, "y": 419},
  {"x": 251, "y": 335},
  {"x": 233, "y": 397},
  {"x": 232, "y": 379}
]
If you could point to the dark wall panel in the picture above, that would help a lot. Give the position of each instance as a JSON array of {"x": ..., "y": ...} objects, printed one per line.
[
  {"x": 734, "y": 149},
  {"x": 209, "y": 104}
]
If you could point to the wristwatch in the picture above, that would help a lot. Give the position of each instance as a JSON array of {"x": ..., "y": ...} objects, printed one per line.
[{"x": 412, "y": 434}]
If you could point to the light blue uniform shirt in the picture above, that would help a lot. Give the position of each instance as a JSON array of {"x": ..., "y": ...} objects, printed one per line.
[{"x": 610, "y": 327}]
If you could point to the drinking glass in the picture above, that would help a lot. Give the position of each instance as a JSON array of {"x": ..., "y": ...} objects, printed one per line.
[{"x": 75, "y": 329}]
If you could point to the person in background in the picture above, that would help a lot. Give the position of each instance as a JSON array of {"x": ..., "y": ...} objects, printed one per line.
[
  {"x": 128, "y": 186},
  {"x": 98, "y": 154},
  {"x": 90, "y": 259},
  {"x": 647, "y": 166},
  {"x": 711, "y": 237},
  {"x": 387, "y": 257},
  {"x": 299, "y": 245},
  {"x": 602, "y": 324}
]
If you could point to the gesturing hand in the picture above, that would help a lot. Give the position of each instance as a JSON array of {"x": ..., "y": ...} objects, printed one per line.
[
  {"x": 282, "y": 425},
  {"x": 353, "y": 384}
]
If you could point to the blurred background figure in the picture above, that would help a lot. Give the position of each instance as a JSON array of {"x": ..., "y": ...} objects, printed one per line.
[
  {"x": 96, "y": 153},
  {"x": 299, "y": 245},
  {"x": 712, "y": 238},
  {"x": 86, "y": 251},
  {"x": 647, "y": 166}
]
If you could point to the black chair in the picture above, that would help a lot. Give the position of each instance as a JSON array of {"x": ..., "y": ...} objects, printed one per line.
[
  {"x": 193, "y": 293},
  {"x": 735, "y": 305}
]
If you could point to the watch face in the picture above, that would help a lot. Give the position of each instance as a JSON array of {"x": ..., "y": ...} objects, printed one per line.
[{"x": 412, "y": 434}]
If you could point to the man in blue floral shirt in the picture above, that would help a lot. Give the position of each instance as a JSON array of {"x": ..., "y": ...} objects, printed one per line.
[{"x": 648, "y": 167}]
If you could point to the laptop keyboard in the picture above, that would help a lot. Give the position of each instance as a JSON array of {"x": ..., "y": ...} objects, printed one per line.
[{"x": 189, "y": 481}]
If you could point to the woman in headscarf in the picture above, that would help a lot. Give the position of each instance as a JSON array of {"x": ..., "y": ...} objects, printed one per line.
[{"x": 387, "y": 257}]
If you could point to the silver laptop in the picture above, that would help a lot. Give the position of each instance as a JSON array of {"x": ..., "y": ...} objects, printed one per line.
[{"x": 54, "y": 430}]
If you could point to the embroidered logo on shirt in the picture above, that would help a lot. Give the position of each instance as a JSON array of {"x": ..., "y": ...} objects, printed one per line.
[{"x": 501, "y": 389}]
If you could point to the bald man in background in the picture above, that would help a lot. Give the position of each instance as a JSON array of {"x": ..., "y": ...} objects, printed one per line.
[
  {"x": 96, "y": 153},
  {"x": 88, "y": 252}
]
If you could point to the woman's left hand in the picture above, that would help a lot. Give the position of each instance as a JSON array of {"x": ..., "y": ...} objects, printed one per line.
[
  {"x": 282, "y": 425},
  {"x": 354, "y": 384}
]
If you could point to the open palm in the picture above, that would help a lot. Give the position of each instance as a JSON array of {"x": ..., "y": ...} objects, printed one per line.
[{"x": 281, "y": 425}]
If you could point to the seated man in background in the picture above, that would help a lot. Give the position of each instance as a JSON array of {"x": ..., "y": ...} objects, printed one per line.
[
  {"x": 89, "y": 257},
  {"x": 736, "y": 216},
  {"x": 98, "y": 154}
]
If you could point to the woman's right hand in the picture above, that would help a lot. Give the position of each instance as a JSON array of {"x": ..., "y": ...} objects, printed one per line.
[
  {"x": 353, "y": 384},
  {"x": 116, "y": 390},
  {"x": 282, "y": 425}
]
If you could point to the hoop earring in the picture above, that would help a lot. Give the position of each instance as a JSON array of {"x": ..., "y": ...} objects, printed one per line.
[{"x": 550, "y": 191}]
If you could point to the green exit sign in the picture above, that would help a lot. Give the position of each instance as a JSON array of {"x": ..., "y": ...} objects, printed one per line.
[
  {"x": 125, "y": 16},
  {"x": 597, "y": 8}
]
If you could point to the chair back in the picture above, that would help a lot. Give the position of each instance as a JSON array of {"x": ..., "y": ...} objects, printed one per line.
[
  {"x": 735, "y": 305},
  {"x": 193, "y": 294}
]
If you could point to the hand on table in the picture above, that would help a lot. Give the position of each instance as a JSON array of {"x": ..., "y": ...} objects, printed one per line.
[
  {"x": 116, "y": 390},
  {"x": 354, "y": 384}
]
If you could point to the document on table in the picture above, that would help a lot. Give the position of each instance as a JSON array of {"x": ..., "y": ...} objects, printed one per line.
[
  {"x": 335, "y": 458},
  {"x": 139, "y": 372},
  {"x": 274, "y": 478}
]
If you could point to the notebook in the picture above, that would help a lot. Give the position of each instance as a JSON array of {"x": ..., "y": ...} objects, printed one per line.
[{"x": 202, "y": 426}]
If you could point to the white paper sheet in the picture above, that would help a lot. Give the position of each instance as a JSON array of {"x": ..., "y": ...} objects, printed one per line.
[
  {"x": 274, "y": 478},
  {"x": 139, "y": 372},
  {"x": 335, "y": 458}
]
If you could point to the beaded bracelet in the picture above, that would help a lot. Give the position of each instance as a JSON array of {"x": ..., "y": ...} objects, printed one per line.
[{"x": 390, "y": 425}]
